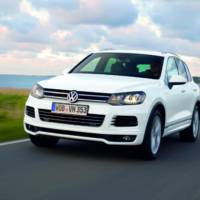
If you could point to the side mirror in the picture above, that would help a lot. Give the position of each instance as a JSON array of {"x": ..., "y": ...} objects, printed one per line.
[
  {"x": 67, "y": 70},
  {"x": 177, "y": 80}
]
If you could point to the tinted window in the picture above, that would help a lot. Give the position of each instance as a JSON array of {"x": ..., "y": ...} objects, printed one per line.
[
  {"x": 188, "y": 72},
  {"x": 181, "y": 69},
  {"x": 171, "y": 68},
  {"x": 91, "y": 66},
  {"x": 122, "y": 64}
]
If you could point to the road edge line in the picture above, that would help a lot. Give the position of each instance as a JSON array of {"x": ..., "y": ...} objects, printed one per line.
[{"x": 13, "y": 142}]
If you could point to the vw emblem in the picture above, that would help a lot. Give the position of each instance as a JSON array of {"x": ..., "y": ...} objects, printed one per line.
[{"x": 72, "y": 97}]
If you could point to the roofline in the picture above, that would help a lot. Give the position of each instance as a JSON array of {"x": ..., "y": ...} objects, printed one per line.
[
  {"x": 172, "y": 53},
  {"x": 156, "y": 53}
]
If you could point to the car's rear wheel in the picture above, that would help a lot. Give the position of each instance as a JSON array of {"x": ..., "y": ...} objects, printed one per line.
[
  {"x": 191, "y": 133},
  {"x": 43, "y": 141},
  {"x": 153, "y": 135}
]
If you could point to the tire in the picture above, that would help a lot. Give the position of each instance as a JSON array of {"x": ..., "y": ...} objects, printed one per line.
[
  {"x": 43, "y": 141},
  {"x": 191, "y": 133},
  {"x": 153, "y": 136}
]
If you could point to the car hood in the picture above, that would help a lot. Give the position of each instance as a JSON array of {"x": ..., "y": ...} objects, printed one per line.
[{"x": 97, "y": 83}]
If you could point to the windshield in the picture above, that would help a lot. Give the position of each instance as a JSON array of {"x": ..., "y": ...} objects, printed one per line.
[{"x": 121, "y": 64}]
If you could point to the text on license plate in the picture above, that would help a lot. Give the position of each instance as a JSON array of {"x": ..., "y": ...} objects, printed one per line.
[{"x": 69, "y": 109}]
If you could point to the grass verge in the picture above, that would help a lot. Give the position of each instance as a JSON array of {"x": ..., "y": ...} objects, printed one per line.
[{"x": 12, "y": 103}]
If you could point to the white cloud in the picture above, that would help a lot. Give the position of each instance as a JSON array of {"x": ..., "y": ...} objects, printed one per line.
[
  {"x": 41, "y": 14},
  {"x": 177, "y": 19},
  {"x": 43, "y": 36},
  {"x": 96, "y": 12},
  {"x": 146, "y": 21},
  {"x": 47, "y": 53},
  {"x": 143, "y": 16},
  {"x": 193, "y": 64},
  {"x": 62, "y": 34},
  {"x": 46, "y": 63}
]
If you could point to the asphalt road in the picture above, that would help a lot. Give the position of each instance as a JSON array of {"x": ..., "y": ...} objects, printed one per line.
[{"x": 79, "y": 170}]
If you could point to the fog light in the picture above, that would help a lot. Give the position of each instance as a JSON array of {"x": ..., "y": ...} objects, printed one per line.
[
  {"x": 32, "y": 128},
  {"x": 126, "y": 138}
]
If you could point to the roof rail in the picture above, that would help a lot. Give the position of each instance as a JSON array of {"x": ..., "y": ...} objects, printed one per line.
[
  {"x": 108, "y": 49},
  {"x": 171, "y": 53}
]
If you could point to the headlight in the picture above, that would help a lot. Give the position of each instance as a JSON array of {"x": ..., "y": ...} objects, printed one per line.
[
  {"x": 129, "y": 98},
  {"x": 37, "y": 91}
]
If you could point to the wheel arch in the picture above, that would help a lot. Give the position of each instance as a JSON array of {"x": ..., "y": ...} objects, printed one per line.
[
  {"x": 198, "y": 104},
  {"x": 161, "y": 108}
]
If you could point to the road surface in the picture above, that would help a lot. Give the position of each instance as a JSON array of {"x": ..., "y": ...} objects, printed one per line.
[{"x": 81, "y": 170}]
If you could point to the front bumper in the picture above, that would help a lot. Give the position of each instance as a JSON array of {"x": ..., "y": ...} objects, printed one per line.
[{"x": 106, "y": 133}]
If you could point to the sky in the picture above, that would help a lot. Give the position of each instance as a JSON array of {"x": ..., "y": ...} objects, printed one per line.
[{"x": 43, "y": 37}]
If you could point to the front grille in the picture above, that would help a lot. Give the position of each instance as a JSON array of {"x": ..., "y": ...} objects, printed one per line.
[
  {"x": 111, "y": 138},
  {"x": 124, "y": 121},
  {"x": 88, "y": 120},
  {"x": 30, "y": 111},
  {"x": 82, "y": 96}
]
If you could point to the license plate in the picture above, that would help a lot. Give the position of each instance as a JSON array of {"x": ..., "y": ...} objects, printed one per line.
[{"x": 69, "y": 109}]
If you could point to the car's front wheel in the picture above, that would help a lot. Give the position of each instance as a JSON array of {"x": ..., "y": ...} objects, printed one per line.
[
  {"x": 191, "y": 133},
  {"x": 43, "y": 141},
  {"x": 153, "y": 135}
]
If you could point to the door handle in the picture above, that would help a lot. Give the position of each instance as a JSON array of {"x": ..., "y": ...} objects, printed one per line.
[
  {"x": 194, "y": 90},
  {"x": 183, "y": 91}
]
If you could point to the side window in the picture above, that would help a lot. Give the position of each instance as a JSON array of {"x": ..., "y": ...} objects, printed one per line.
[
  {"x": 188, "y": 72},
  {"x": 181, "y": 69},
  {"x": 171, "y": 68},
  {"x": 91, "y": 66}
]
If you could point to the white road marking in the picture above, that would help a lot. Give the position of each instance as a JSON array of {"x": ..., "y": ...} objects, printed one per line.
[{"x": 13, "y": 142}]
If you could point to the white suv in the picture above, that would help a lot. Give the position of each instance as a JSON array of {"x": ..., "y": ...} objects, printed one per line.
[{"x": 119, "y": 98}]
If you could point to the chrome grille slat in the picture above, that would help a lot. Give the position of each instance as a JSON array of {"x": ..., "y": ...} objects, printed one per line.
[
  {"x": 94, "y": 116},
  {"x": 86, "y": 95},
  {"x": 89, "y": 120},
  {"x": 69, "y": 117},
  {"x": 83, "y": 96},
  {"x": 102, "y": 101},
  {"x": 64, "y": 121},
  {"x": 53, "y": 92},
  {"x": 53, "y": 97}
]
